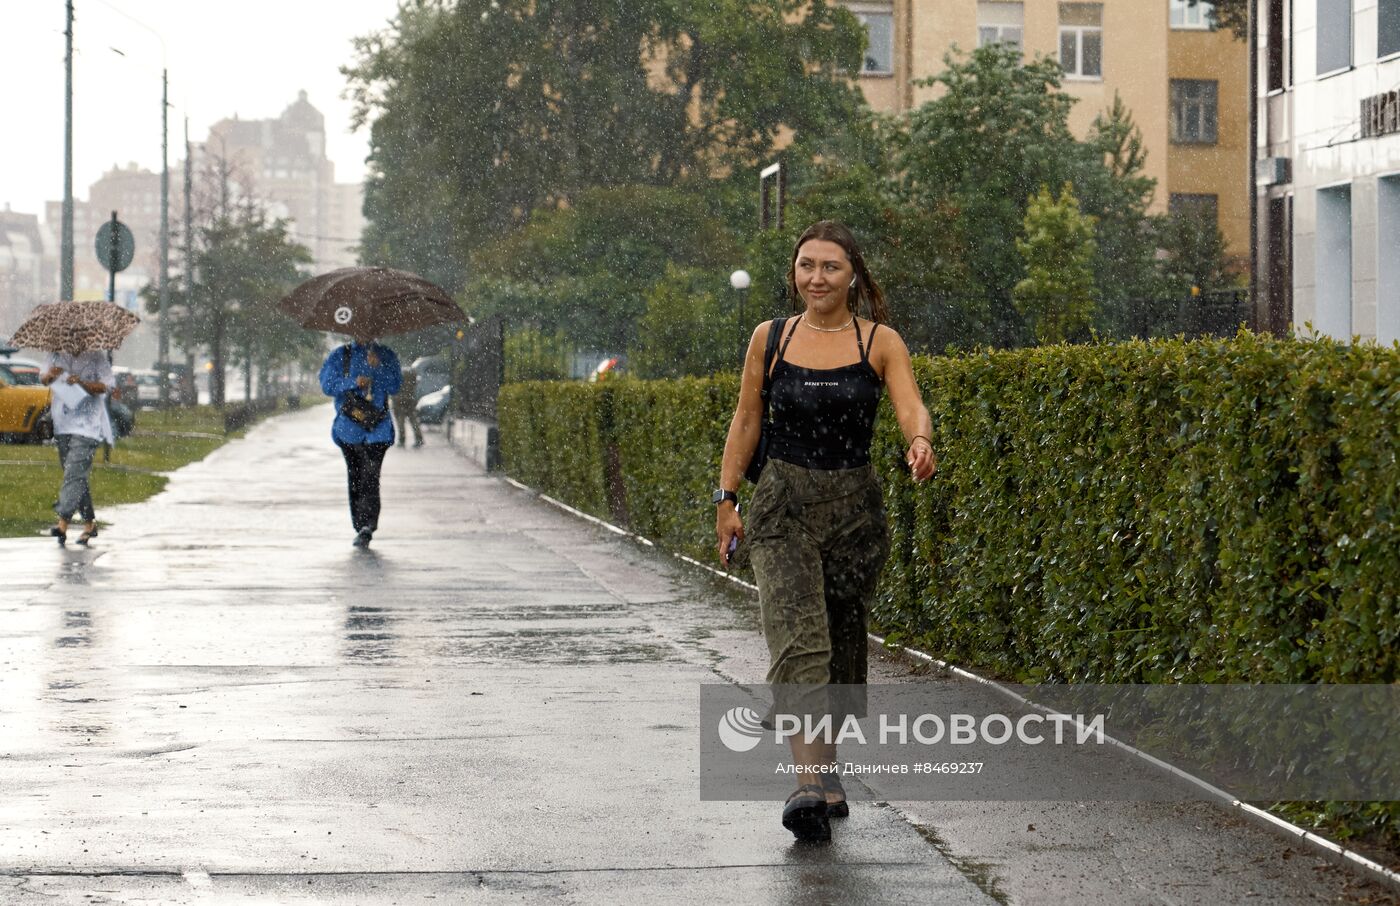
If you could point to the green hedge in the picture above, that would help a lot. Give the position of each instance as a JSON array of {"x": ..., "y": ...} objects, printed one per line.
[{"x": 1165, "y": 511}]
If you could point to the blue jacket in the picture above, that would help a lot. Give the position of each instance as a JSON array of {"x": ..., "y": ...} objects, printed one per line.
[{"x": 336, "y": 383}]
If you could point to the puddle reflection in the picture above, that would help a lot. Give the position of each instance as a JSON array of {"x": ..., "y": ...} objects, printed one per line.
[
  {"x": 74, "y": 715},
  {"x": 368, "y": 636}
]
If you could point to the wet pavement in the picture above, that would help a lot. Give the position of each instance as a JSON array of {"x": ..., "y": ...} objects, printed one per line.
[{"x": 223, "y": 701}]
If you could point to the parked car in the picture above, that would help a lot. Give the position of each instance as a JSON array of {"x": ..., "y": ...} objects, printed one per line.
[
  {"x": 25, "y": 372},
  {"x": 181, "y": 377},
  {"x": 124, "y": 384},
  {"x": 434, "y": 373},
  {"x": 432, "y": 409},
  {"x": 147, "y": 389},
  {"x": 24, "y": 408}
]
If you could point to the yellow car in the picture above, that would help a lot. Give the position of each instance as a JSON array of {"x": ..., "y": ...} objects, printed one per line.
[{"x": 24, "y": 409}]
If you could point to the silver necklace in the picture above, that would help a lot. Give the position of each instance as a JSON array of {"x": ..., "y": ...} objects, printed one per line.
[{"x": 829, "y": 329}]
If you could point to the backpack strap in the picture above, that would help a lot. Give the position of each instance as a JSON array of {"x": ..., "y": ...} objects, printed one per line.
[{"x": 345, "y": 361}]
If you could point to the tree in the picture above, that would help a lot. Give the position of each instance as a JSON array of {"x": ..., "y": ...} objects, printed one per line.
[
  {"x": 1231, "y": 14},
  {"x": 691, "y": 326},
  {"x": 584, "y": 271},
  {"x": 483, "y": 111},
  {"x": 244, "y": 262},
  {"x": 1115, "y": 190},
  {"x": 997, "y": 134},
  {"x": 1057, "y": 295},
  {"x": 1194, "y": 259}
]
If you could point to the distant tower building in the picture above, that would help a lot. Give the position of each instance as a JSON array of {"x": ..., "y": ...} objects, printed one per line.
[
  {"x": 284, "y": 161},
  {"x": 28, "y": 268}
]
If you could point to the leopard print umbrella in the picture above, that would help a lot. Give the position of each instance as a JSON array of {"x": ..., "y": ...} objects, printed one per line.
[{"x": 76, "y": 327}]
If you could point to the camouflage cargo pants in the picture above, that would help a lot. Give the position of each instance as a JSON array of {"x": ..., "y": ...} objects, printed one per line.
[{"x": 817, "y": 540}]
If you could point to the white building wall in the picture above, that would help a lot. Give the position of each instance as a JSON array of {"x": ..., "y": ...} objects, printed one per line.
[{"x": 1327, "y": 151}]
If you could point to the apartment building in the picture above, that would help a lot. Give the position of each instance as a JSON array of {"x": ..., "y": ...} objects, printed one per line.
[
  {"x": 1185, "y": 83},
  {"x": 1328, "y": 169},
  {"x": 28, "y": 268},
  {"x": 284, "y": 161},
  {"x": 134, "y": 194}
]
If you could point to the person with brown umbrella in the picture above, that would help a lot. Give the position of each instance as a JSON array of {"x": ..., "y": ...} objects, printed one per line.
[
  {"x": 79, "y": 375},
  {"x": 361, "y": 376},
  {"x": 366, "y": 302}
]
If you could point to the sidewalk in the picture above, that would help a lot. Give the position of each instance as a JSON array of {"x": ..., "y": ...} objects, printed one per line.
[{"x": 223, "y": 701}]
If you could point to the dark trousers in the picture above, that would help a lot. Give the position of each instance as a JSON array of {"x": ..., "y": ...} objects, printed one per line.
[
  {"x": 405, "y": 409},
  {"x": 362, "y": 465}
]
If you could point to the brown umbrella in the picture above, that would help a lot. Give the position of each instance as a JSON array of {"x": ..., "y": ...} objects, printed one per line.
[
  {"x": 75, "y": 327},
  {"x": 370, "y": 302}
]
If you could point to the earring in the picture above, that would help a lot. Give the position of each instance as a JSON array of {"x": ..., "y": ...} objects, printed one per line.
[{"x": 853, "y": 283}]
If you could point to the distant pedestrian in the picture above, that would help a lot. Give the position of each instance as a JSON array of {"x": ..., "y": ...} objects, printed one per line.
[
  {"x": 80, "y": 425},
  {"x": 817, "y": 536},
  {"x": 361, "y": 376},
  {"x": 406, "y": 406}
]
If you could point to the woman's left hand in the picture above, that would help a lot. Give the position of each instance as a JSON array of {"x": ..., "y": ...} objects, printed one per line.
[
  {"x": 372, "y": 357},
  {"x": 920, "y": 459}
]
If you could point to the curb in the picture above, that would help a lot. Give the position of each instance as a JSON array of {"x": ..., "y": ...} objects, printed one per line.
[{"x": 1333, "y": 851}]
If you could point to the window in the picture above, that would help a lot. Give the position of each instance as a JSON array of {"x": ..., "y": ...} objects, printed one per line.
[
  {"x": 1388, "y": 270},
  {"x": 1388, "y": 39},
  {"x": 1275, "y": 49},
  {"x": 1332, "y": 260},
  {"x": 1333, "y": 35},
  {"x": 1280, "y": 265},
  {"x": 1186, "y": 15},
  {"x": 1193, "y": 111},
  {"x": 1081, "y": 40},
  {"x": 1202, "y": 209},
  {"x": 879, "y": 28},
  {"x": 1000, "y": 23}
]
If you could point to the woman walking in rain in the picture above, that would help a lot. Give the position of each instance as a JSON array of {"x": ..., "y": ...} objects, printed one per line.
[
  {"x": 79, "y": 381},
  {"x": 361, "y": 376},
  {"x": 816, "y": 534}
]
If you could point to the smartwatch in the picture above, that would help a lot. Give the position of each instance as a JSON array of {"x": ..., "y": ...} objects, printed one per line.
[{"x": 721, "y": 495}]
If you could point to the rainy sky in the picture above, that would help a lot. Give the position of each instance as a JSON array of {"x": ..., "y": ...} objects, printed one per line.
[{"x": 250, "y": 58}]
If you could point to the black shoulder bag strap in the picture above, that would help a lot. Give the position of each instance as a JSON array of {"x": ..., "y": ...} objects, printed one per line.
[
  {"x": 345, "y": 361},
  {"x": 770, "y": 351}
]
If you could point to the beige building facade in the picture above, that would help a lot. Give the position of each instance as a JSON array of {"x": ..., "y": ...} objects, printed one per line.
[
  {"x": 284, "y": 162},
  {"x": 1185, "y": 83}
]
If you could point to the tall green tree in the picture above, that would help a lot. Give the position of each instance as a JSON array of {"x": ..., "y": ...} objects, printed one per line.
[
  {"x": 244, "y": 262},
  {"x": 1000, "y": 131},
  {"x": 691, "y": 326},
  {"x": 483, "y": 111},
  {"x": 584, "y": 271},
  {"x": 1057, "y": 295}
]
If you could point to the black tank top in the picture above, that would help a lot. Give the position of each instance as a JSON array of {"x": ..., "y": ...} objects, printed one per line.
[{"x": 824, "y": 418}]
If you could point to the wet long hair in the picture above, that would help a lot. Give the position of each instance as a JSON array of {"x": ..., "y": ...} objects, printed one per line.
[{"x": 866, "y": 289}]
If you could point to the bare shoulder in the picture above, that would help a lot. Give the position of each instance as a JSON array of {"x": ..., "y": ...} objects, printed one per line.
[{"x": 885, "y": 343}]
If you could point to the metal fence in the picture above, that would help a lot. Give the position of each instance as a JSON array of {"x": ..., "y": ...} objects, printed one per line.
[{"x": 1219, "y": 313}]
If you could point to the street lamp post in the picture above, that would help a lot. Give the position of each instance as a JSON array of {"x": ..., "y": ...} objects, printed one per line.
[
  {"x": 740, "y": 281},
  {"x": 65, "y": 254},
  {"x": 163, "y": 343}
]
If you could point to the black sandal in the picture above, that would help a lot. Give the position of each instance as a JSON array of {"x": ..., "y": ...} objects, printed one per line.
[
  {"x": 831, "y": 786},
  {"x": 87, "y": 536},
  {"x": 805, "y": 814},
  {"x": 60, "y": 534}
]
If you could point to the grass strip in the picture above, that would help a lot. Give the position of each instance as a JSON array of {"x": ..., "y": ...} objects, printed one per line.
[{"x": 162, "y": 442}]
